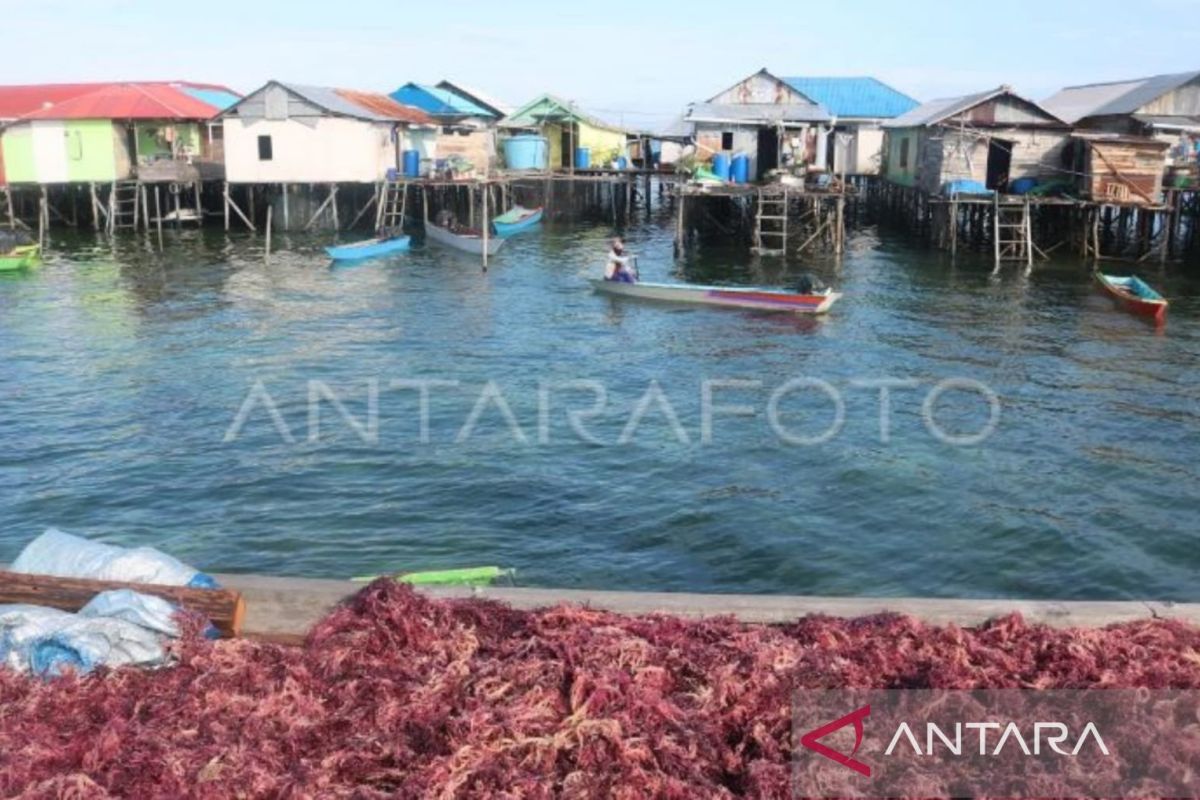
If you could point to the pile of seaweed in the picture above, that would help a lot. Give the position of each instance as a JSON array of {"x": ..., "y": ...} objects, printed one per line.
[{"x": 397, "y": 695}]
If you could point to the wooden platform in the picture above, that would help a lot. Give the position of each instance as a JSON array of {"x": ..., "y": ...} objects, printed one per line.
[{"x": 283, "y": 609}]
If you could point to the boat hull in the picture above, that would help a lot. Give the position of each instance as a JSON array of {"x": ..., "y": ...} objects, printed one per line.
[
  {"x": 371, "y": 248},
  {"x": 506, "y": 229},
  {"x": 468, "y": 244},
  {"x": 19, "y": 258},
  {"x": 1114, "y": 287},
  {"x": 729, "y": 297}
]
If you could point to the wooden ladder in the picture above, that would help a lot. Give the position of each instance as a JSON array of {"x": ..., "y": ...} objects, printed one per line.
[
  {"x": 1012, "y": 233},
  {"x": 124, "y": 204},
  {"x": 770, "y": 222},
  {"x": 392, "y": 206}
]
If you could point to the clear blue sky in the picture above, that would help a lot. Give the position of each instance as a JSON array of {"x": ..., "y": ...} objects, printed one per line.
[{"x": 635, "y": 63}]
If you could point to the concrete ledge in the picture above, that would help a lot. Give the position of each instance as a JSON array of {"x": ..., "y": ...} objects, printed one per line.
[{"x": 285, "y": 608}]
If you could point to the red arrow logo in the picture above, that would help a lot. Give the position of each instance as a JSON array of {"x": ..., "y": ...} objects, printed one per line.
[{"x": 810, "y": 740}]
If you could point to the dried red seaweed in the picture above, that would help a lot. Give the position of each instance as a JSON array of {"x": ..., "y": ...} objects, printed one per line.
[{"x": 397, "y": 695}]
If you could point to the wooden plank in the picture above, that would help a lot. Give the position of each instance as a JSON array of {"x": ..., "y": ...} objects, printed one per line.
[
  {"x": 283, "y": 609},
  {"x": 225, "y": 608}
]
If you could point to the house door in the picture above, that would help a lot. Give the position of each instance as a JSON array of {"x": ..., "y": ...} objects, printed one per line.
[
  {"x": 570, "y": 141},
  {"x": 768, "y": 150},
  {"x": 999, "y": 162}
]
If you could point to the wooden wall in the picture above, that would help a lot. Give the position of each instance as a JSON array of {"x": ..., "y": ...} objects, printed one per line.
[{"x": 1123, "y": 171}]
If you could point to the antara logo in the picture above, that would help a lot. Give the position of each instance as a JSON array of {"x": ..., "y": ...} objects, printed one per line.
[
  {"x": 855, "y": 718},
  {"x": 1050, "y": 734}
]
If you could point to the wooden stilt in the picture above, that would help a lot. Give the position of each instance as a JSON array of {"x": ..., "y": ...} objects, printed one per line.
[
  {"x": 333, "y": 191},
  {"x": 486, "y": 225},
  {"x": 225, "y": 197},
  {"x": 267, "y": 250},
  {"x": 158, "y": 213},
  {"x": 236, "y": 209},
  {"x": 287, "y": 217}
]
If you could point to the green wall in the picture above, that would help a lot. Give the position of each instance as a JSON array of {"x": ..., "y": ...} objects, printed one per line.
[
  {"x": 906, "y": 175},
  {"x": 90, "y": 147},
  {"x": 151, "y": 139},
  {"x": 18, "y": 155}
]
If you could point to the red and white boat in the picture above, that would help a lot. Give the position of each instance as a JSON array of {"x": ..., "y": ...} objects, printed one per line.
[{"x": 1134, "y": 295}]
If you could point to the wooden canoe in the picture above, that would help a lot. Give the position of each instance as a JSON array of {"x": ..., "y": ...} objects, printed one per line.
[
  {"x": 369, "y": 248},
  {"x": 1134, "y": 295},
  {"x": 19, "y": 257},
  {"x": 467, "y": 242},
  {"x": 516, "y": 220},
  {"x": 729, "y": 296}
]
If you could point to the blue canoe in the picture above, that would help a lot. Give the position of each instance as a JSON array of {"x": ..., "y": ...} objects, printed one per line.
[
  {"x": 368, "y": 249},
  {"x": 516, "y": 220}
]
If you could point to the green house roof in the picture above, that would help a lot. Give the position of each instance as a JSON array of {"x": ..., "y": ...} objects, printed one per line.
[{"x": 548, "y": 108}]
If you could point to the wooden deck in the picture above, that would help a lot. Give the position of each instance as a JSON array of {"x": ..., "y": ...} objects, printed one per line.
[{"x": 283, "y": 609}]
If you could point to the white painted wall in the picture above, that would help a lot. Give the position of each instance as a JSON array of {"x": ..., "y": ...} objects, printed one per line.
[
  {"x": 49, "y": 151},
  {"x": 316, "y": 150}
]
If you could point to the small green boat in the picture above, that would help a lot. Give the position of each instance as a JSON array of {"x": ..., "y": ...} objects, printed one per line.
[
  {"x": 19, "y": 258},
  {"x": 467, "y": 576}
]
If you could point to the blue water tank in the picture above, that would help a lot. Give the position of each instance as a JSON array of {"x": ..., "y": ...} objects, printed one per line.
[
  {"x": 740, "y": 170},
  {"x": 412, "y": 163},
  {"x": 721, "y": 166},
  {"x": 526, "y": 151},
  {"x": 622, "y": 162},
  {"x": 583, "y": 157}
]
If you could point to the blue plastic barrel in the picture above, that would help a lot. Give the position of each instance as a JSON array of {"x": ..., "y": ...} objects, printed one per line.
[
  {"x": 527, "y": 151},
  {"x": 721, "y": 166},
  {"x": 583, "y": 157},
  {"x": 412, "y": 163},
  {"x": 740, "y": 170},
  {"x": 622, "y": 162}
]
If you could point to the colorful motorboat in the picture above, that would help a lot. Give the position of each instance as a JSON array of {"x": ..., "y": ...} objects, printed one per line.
[
  {"x": 21, "y": 257},
  {"x": 369, "y": 248},
  {"x": 729, "y": 296},
  {"x": 468, "y": 242},
  {"x": 515, "y": 220},
  {"x": 1134, "y": 295}
]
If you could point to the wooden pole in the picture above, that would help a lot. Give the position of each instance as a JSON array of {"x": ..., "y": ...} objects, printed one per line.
[
  {"x": 333, "y": 190},
  {"x": 145, "y": 206},
  {"x": 95, "y": 207},
  {"x": 43, "y": 219},
  {"x": 225, "y": 195},
  {"x": 223, "y": 607},
  {"x": 287, "y": 217},
  {"x": 199, "y": 204},
  {"x": 158, "y": 214},
  {"x": 267, "y": 252},
  {"x": 679, "y": 224},
  {"x": 486, "y": 224}
]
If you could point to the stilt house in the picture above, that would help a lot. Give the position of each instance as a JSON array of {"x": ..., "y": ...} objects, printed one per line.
[{"x": 977, "y": 143}]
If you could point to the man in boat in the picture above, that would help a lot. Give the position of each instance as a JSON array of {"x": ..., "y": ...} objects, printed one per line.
[{"x": 620, "y": 266}]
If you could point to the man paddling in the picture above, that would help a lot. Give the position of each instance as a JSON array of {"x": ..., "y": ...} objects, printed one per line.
[{"x": 620, "y": 266}]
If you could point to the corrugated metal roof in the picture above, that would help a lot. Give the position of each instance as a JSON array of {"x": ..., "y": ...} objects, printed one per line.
[
  {"x": 553, "y": 109},
  {"x": 370, "y": 106},
  {"x": 756, "y": 113},
  {"x": 217, "y": 97},
  {"x": 129, "y": 101},
  {"x": 937, "y": 110},
  {"x": 1119, "y": 97},
  {"x": 1169, "y": 122},
  {"x": 864, "y": 97},
  {"x": 438, "y": 102},
  {"x": 499, "y": 107},
  {"x": 113, "y": 100}
]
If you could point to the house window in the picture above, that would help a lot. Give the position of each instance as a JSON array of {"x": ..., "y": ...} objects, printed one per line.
[
  {"x": 727, "y": 140},
  {"x": 264, "y": 148},
  {"x": 904, "y": 152}
]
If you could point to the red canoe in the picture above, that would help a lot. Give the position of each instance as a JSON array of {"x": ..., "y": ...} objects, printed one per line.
[{"x": 1134, "y": 295}]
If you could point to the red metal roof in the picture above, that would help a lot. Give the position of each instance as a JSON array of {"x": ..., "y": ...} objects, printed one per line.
[
  {"x": 141, "y": 100},
  {"x": 385, "y": 106}
]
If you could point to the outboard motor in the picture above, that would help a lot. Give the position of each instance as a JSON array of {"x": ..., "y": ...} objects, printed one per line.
[{"x": 809, "y": 284}]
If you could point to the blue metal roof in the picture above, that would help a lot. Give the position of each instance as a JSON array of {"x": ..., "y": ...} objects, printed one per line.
[
  {"x": 438, "y": 102},
  {"x": 217, "y": 98},
  {"x": 854, "y": 97}
]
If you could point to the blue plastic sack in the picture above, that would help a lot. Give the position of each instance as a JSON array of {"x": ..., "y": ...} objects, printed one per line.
[
  {"x": 146, "y": 611},
  {"x": 48, "y": 642},
  {"x": 66, "y": 556}
]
